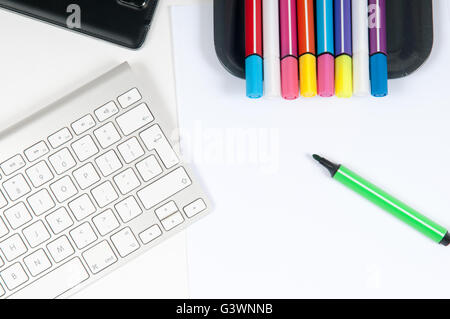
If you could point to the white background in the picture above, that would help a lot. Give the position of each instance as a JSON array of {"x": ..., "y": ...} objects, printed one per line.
[{"x": 293, "y": 231}]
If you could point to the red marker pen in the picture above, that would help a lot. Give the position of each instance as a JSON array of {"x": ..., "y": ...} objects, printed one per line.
[{"x": 253, "y": 48}]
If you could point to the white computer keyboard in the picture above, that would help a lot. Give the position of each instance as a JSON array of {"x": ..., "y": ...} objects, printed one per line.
[{"x": 88, "y": 183}]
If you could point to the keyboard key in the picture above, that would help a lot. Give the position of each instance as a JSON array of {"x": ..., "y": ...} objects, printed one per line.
[
  {"x": 127, "y": 181},
  {"x": 172, "y": 221},
  {"x": 2, "y": 291},
  {"x": 104, "y": 194},
  {"x": 84, "y": 124},
  {"x": 36, "y": 151},
  {"x": 106, "y": 111},
  {"x": 37, "y": 262},
  {"x": 125, "y": 242},
  {"x": 3, "y": 229},
  {"x": 63, "y": 189},
  {"x": 41, "y": 202},
  {"x": 195, "y": 208},
  {"x": 60, "y": 249},
  {"x": 3, "y": 201},
  {"x": 164, "y": 188},
  {"x": 36, "y": 234},
  {"x": 108, "y": 163},
  {"x": 83, "y": 235},
  {"x": 128, "y": 209},
  {"x": 16, "y": 187},
  {"x": 59, "y": 138},
  {"x": 106, "y": 222},
  {"x": 86, "y": 176},
  {"x": 129, "y": 98},
  {"x": 107, "y": 135},
  {"x": 1, "y": 262},
  {"x": 150, "y": 234},
  {"x": 84, "y": 148},
  {"x": 14, "y": 276},
  {"x": 154, "y": 139},
  {"x": 56, "y": 282},
  {"x": 135, "y": 119},
  {"x": 166, "y": 210},
  {"x": 59, "y": 220},
  {"x": 39, "y": 174},
  {"x": 18, "y": 215},
  {"x": 149, "y": 168},
  {"x": 62, "y": 161},
  {"x": 12, "y": 165},
  {"x": 13, "y": 247},
  {"x": 82, "y": 207},
  {"x": 131, "y": 150},
  {"x": 99, "y": 257}
]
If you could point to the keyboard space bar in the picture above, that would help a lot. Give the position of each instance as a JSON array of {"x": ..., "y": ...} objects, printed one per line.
[{"x": 55, "y": 283}]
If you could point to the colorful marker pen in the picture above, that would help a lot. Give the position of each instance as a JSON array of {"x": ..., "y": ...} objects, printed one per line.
[
  {"x": 343, "y": 47},
  {"x": 360, "y": 31},
  {"x": 387, "y": 202},
  {"x": 271, "y": 42},
  {"x": 289, "y": 50},
  {"x": 253, "y": 48},
  {"x": 307, "y": 48},
  {"x": 378, "y": 51},
  {"x": 325, "y": 47}
]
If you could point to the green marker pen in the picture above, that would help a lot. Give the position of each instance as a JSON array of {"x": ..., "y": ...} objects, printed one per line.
[{"x": 382, "y": 199}]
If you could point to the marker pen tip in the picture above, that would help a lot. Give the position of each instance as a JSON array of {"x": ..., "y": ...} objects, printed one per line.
[{"x": 331, "y": 167}]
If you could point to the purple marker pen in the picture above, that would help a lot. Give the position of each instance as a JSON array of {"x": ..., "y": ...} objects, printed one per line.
[
  {"x": 378, "y": 48},
  {"x": 343, "y": 47}
]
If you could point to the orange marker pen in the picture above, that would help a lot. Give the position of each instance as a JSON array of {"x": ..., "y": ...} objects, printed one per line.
[{"x": 307, "y": 48}]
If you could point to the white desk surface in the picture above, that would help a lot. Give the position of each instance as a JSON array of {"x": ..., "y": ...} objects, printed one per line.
[
  {"x": 281, "y": 226},
  {"x": 40, "y": 63}
]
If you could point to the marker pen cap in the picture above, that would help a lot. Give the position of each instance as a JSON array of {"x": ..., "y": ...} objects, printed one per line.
[
  {"x": 325, "y": 75},
  {"x": 289, "y": 78},
  {"x": 272, "y": 77},
  {"x": 308, "y": 77},
  {"x": 344, "y": 76},
  {"x": 361, "y": 76},
  {"x": 379, "y": 75},
  {"x": 254, "y": 76}
]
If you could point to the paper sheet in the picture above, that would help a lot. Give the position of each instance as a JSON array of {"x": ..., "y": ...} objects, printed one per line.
[
  {"x": 281, "y": 226},
  {"x": 41, "y": 63}
]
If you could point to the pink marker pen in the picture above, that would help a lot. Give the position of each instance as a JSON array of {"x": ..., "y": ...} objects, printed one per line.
[{"x": 289, "y": 49}]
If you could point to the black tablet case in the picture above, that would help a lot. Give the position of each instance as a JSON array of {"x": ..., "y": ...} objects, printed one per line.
[
  {"x": 409, "y": 35},
  {"x": 105, "y": 19}
]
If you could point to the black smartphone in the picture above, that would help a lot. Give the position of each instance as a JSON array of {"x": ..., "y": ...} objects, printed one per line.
[{"x": 123, "y": 22}]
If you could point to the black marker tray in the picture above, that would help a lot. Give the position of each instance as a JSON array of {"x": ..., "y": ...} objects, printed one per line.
[{"x": 409, "y": 35}]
